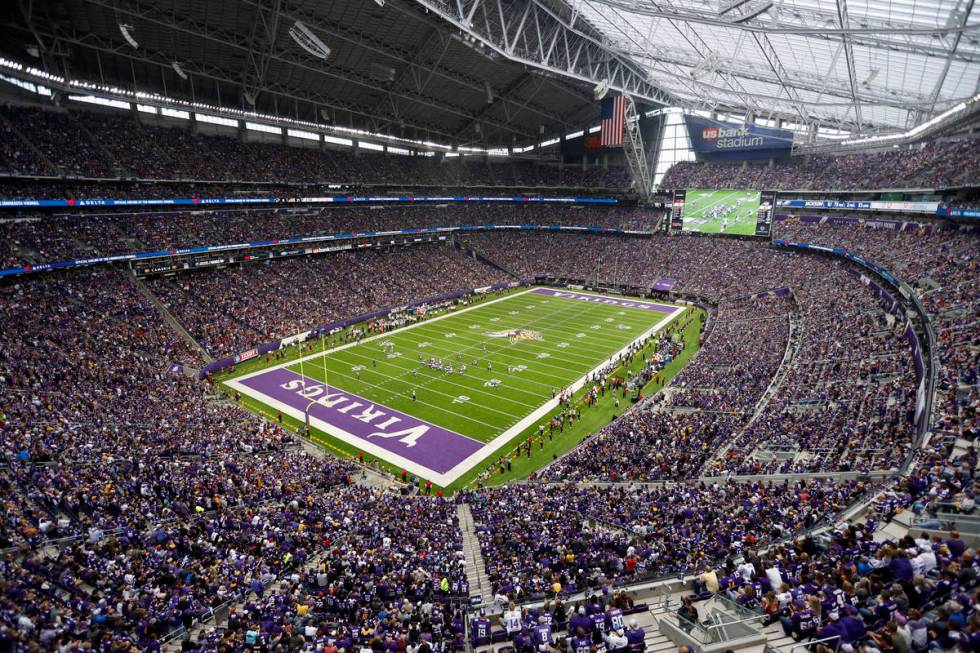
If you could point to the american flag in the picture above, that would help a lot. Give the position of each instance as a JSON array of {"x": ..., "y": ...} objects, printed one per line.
[{"x": 613, "y": 120}]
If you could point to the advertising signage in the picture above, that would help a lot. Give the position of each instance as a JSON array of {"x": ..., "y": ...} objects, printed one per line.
[{"x": 712, "y": 140}]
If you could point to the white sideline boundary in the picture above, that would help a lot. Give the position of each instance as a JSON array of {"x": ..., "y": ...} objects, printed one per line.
[{"x": 468, "y": 463}]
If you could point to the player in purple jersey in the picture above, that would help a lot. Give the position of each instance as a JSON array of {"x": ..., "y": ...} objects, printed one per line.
[
  {"x": 593, "y": 605},
  {"x": 886, "y": 608},
  {"x": 541, "y": 634},
  {"x": 615, "y": 618},
  {"x": 598, "y": 620},
  {"x": 636, "y": 637},
  {"x": 802, "y": 623},
  {"x": 579, "y": 620},
  {"x": 580, "y": 642},
  {"x": 480, "y": 633},
  {"x": 523, "y": 643}
]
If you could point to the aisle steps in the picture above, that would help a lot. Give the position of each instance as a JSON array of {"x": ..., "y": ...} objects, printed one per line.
[{"x": 476, "y": 570}]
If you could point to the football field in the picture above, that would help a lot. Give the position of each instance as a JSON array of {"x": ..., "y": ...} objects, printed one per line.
[
  {"x": 721, "y": 211},
  {"x": 438, "y": 396}
]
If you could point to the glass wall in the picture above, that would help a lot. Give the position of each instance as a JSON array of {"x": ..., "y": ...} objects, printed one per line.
[{"x": 674, "y": 145}]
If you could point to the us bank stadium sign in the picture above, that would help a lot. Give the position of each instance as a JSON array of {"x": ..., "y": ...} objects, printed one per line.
[
  {"x": 711, "y": 139},
  {"x": 730, "y": 138}
]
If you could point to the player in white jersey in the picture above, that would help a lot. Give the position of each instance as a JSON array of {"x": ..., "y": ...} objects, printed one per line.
[{"x": 512, "y": 620}]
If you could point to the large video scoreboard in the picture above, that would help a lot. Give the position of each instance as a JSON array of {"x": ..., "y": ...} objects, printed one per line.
[{"x": 723, "y": 212}]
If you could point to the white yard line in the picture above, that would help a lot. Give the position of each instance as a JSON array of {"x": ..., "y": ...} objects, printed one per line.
[
  {"x": 502, "y": 439},
  {"x": 443, "y": 377},
  {"x": 552, "y": 359},
  {"x": 380, "y": 335},
  {"x": 361, "y": 444},
  {"x": 474, "y": 459},
  {"x": 724, "y": 196}
]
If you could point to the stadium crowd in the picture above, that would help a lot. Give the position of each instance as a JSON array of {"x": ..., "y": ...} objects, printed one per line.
[
  {"x": 99, "y": 145},
  {"x": 724, "y": 379},
  {"x": 850, "y": 587},
  {"x": 36, "y": 238},
  {"x": 941, "y": 265},
  {"x": 934, "y": 165},
  {"x": 234, "y": 309},
  {"x": 135, "y": 503},
  {"x": 847, "y": 397},
  {"x": 866, "y": 396},
  {"x": 845, "y": 586},
  {"x": 580, "y": 537}
]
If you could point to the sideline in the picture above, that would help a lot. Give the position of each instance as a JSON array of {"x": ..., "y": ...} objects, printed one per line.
[{"x": 464, "y": 466}]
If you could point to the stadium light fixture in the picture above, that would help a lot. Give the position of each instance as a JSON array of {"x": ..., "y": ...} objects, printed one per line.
[
  {"x": 177, "y": 69},
  {"x": 309, "y": 41},
  {"x": 126, "y": 31},
  {"x": 382, "y": 73},
  {"x": 601, "y": 90},
  {"x": 171, "y": 102}
]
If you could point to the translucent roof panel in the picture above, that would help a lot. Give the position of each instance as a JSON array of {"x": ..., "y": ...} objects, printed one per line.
[{"x": 858, "y": 65}]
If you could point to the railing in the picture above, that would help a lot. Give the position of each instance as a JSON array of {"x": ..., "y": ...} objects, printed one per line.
[
  {"x": 804, "y": 645},
  {"x": 725, "y": 622},
  {"x": 215, "y": 614},
  {"x": 928, "y": 350},
  {"x": 949, "y": 521}
]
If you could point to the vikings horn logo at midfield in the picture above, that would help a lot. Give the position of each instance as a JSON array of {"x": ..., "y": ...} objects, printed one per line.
[{"x": 516, "y": 335}]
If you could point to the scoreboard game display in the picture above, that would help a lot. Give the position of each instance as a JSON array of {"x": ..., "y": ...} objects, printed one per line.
[{"x": 725, "y": 212}]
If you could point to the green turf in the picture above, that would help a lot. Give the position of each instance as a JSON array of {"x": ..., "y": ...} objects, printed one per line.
[
  {"x": 698, "y": 205},
  {"x": 592, "y": 418},
  {"x": 569, "y": 338},
  {"x": 297, "y": 350}
]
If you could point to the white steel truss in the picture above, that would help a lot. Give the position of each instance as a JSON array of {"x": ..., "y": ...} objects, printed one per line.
[
  {"x": 635, "y": 152},
  {"x": 878, "y": 68}
]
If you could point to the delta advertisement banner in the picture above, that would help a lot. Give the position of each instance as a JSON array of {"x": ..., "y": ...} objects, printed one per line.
[
  {"x": 712, "y": 140},
  {"x": 961, "y": 213},
  {"x": 210, "y": 249},
  {"x": 347, "y": 199}
]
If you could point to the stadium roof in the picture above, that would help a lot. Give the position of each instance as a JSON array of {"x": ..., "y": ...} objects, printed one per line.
[
  {"x": 396, "y": 69},
  {"x": 861, "y": 64},
  {"x": 498, "y": 73}
]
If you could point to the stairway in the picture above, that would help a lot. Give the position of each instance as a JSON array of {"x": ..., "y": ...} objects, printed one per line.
[
  {"x": 476, "y": 570},
  {"x": 654, "y": 641},
  {"x": 175, "y": 645},
  {"x": 52, "y": 168},
  {"x": 170, "y": 319},
  {"x": 777, "y": 639}
]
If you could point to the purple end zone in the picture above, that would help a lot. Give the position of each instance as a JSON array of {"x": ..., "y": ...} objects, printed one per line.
[
  {"x": 426, "y": 444},
  {"x": 600, "y": 299}
]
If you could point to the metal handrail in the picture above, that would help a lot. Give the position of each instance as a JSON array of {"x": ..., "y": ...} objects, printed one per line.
[
  {"x": 805, "y": 645},
  {"x": 710, "y": 630},
  {"x": 724, "y": 624}
]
